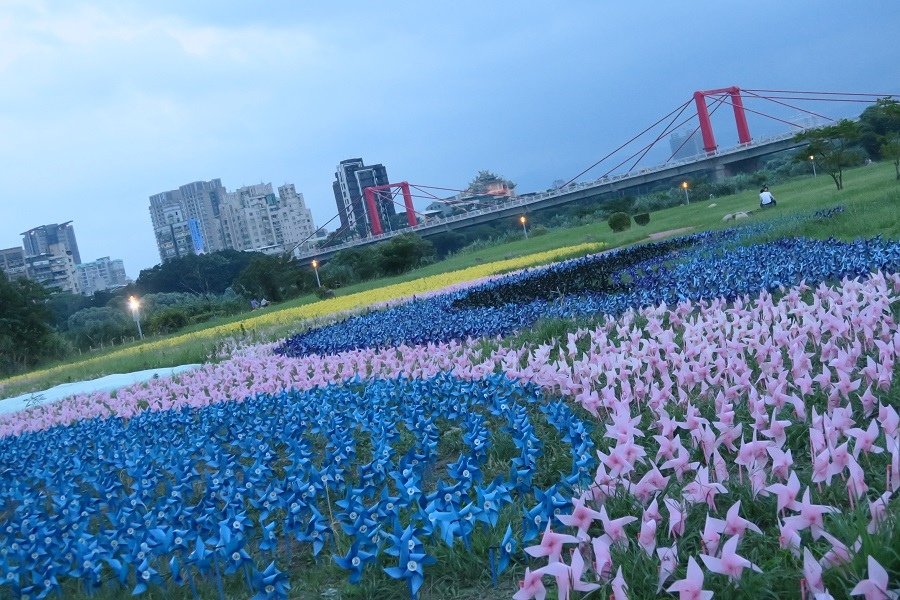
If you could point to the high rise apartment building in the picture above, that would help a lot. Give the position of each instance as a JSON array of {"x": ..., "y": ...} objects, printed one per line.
[
  {"x": 254, "y": 218},
  {"x": 51, "y": 255},
  {"x": 685, "y": 144},
  {"x": 101, "y": 274},
  {"x": 351, "y": 177},
  {"x": 185, "y": 221},
  {"x": 12, "y": 262},
  {"x": 204, "y": 217}
]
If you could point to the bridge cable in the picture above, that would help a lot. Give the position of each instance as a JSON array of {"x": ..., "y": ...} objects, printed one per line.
[
  {"x": 659, "y": 137},
  {"x": 821, "y": 93},
  {"x": 790, "y": 106},
  {"x": 628, "y": 142}
]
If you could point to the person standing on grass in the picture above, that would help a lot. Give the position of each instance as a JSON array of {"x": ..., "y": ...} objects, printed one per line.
[{"x": 766, "y": 199}]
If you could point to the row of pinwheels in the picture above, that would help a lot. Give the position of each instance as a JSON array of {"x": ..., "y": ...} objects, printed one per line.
[
  {"x": 701, "y": 266},
  {"x": 194, "y": 497}
]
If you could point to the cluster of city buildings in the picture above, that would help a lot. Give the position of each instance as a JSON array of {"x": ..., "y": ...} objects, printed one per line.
[
  {"x": 49, "y": 255},
  {"x": 203, "y": 216}
]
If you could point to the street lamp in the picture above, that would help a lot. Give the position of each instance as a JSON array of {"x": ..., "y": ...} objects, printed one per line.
[
  {"x": 135, "y": 305},
  {"x": 525, "y": 229},
  {"x": 684, "y": 186},
  {"x": 315, "y": 266},
  {"x": 813, "y": 161}
]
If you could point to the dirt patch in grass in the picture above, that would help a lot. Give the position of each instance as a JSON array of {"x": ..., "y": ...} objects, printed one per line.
[{"x": 663, "y": 234}]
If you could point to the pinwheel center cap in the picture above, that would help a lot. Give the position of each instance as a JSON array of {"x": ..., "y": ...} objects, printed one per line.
[
  {"x": 508, "y": 547},
  {"x": 412, "y": 565},
  {"x": 145, "y": 575},
  {"x": 355, "y": 561},
  {"x": 235, "y": 556},
  {"x": 178, "y": 541}
]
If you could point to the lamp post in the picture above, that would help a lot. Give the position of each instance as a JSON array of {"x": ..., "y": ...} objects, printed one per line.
[
  {"x": 522, "y": 220},
  {"x": 684, "y": 186},
  {"x": 812, "y": 159},
  {"x": 135, "y": 305},
  {"x": 315, "y": 266}
]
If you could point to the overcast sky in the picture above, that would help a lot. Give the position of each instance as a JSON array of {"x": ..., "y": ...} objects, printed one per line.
[{"x": 104, "y": 103}]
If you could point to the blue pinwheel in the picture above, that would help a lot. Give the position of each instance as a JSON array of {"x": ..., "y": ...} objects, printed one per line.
[
  {"x": 145, "y": 575},
  {"x": 270, "y": 584},
  {"x": 411, "y": 559},
  {"x": 355, "y": 561}
]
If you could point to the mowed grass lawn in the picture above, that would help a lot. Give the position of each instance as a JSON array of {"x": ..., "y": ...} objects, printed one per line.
[{"x": 871, "y": 197}]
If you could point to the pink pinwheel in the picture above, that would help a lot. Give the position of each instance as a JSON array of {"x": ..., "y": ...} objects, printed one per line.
[
  {"x": 811, "y": 516},
  {"x": 839, "y": 554},
  {"x": 652, "y": 512},
  {"x": 876, "y": 586},
  {"x": 649, "y": 484},
  {"x": 619, "y": 586},
  {"x": 681, "y": 463},
  {"x": 730, "y": 563},
  {"x": 647, "y": 536},
  {"x": 865, "y": 439},
  {"x": 551, "y": 545},
  {"x": 737, "y": 525},
  {"x": 668, "y": 562},
  {"x": 691, "y": 587},
  {"x": 812, "y": 571},
  {"x": 788, "y": 538},
  {"x": 602, "y": 556},
  {"x": 576, "y": 570},
  {"x": 889, "y": 419},
  {"x": 531, "y": 586},
  {"x": 702, "y": 490},
  {"x": 878, "y": 512},
  {"x": 786, "y": 493},
  {"x": 822, "y": 467},
  {"x": 581, "y": 517},
  {"x": 712, "y": 533},
  {"x": 677, "y": 517},
  {"x": 615, "y": 528},
  {"x": 776, "y": 430},
  {"x": 781, "y": 461}
]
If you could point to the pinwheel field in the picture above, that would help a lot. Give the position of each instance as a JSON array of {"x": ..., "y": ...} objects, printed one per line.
[{"x": 712, "y": 415}]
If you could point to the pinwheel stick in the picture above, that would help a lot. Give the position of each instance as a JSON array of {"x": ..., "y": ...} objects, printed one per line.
[
  {"x": 493, "y": 566},
  {"x": 331, "y": 522}
]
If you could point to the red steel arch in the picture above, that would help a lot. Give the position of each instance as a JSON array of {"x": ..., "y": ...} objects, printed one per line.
[
  {"x": 374, "y": 219},
  {"x": 740, "y": 118}
]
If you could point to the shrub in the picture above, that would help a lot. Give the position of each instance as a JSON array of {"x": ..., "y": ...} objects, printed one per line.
[
  {"x": 642, "y": 219},
  {"x": 619, "y": 221},
  {"x": 324, "y": 293},
  {"x": 168, "y": 320},
  {"x": 537, "y": 230}
]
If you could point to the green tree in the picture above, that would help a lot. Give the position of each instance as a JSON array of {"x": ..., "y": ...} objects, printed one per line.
[
  {"x": 274, "y": 278},
  {"x": 890, "y": 150},
  {"x": 832, "y": 147},
  {"x": 93, "y": 326},
  {"x": 877, "y": 124},
  {"x": 26, "y": 335},
  {"x": 197, "y": 274},
  {"x": 404, "y": 252}
]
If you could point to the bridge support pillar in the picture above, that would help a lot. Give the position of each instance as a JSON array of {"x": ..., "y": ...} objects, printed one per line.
[
  {"x": 720, "y": 173},
  {"x": 706, "y": 131},
  {"x": 372, "y": 210},
  {"x": 407, "y": 201}
]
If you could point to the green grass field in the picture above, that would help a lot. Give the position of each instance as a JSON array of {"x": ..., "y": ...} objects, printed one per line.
[{"x": 871, "y": 197}]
